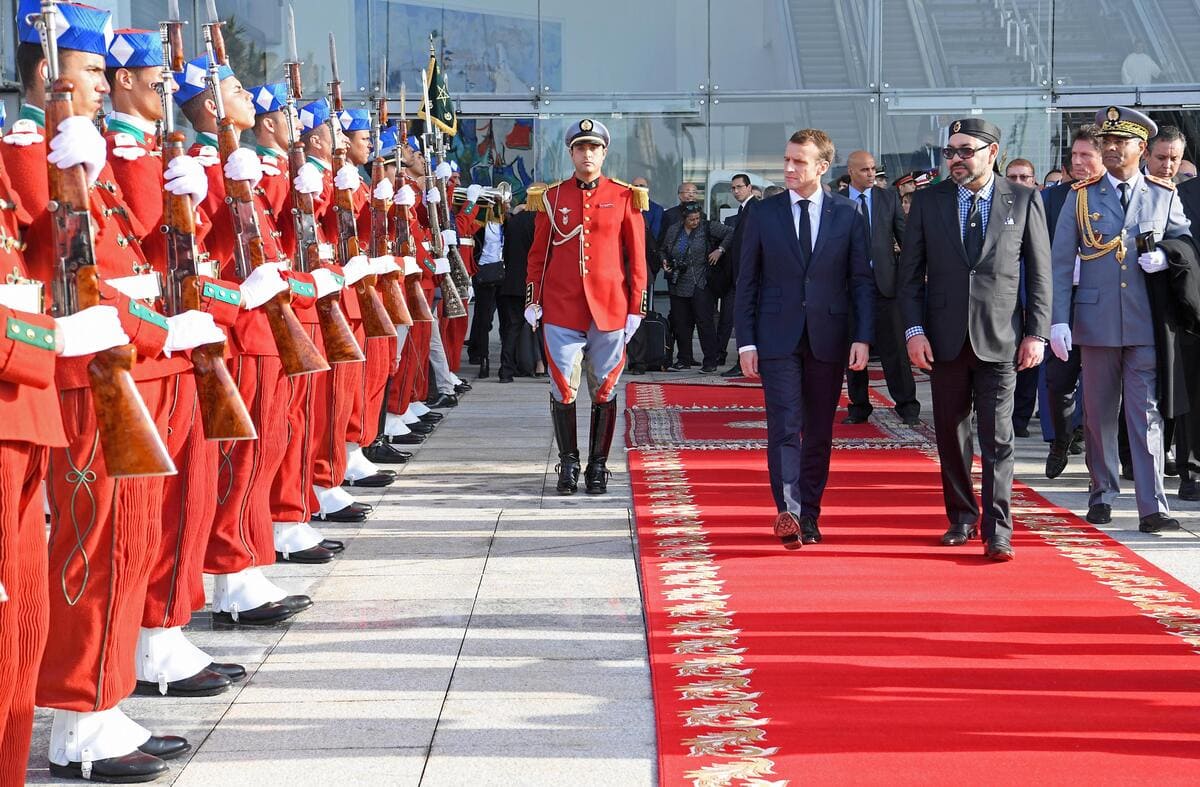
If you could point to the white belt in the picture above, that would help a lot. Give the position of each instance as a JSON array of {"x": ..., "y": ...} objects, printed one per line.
[
  {"x": 144, "y": 287},
  {"x": 26, "y": 297},
  {"x": 207, "y": 268},
  {"x": 325, "y": 252},
  {"x": 466, "y": 241}
]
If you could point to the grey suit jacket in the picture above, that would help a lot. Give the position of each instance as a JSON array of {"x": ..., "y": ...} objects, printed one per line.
[
  {"x": 953, "y": 300},
  {"x": 1112, "y": 306}
]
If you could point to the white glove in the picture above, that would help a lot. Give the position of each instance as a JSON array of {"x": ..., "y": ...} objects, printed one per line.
[
  {"x": 474, "y": 192},
  {"x": 1153, "y": 261},
  {"x": 470, "y": 294},
  {"x": 533, "y": 314},
  {"x": 406, "y": 197},
  {"x": 631, "y": 325},
  {"x": 243, "y": 164},
  {"x": 90, "y": 331},
  {"x": 326, "y": 281},
  {"x": 264, "y": 283},
  {"x": 191, "y": 329},
  {"x": 308, "y": 179},
  {"x": 347, "y": 178},
  {"x": 356, "y": 268},
  {"x": 441, "y": 265},
  {"x": 410, "y": 266},
  {"x": 449, "y": 238},
  {"x": 384, "y": 190},
  {"x": 443, "y": 171},
  {"x": 78, "y": 142},
  {"x": 381, "y": 266},
  {"x": 1060, "y": 340},
  {"x": 433, "y": 197},
  {"x": 185, "y": 176}
]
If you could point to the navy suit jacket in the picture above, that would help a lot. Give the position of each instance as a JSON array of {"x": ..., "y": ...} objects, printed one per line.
[{"x": 779, "y": 299}]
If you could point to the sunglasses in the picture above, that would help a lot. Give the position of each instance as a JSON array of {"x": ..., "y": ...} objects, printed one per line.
[{"x": 962, "y": 153}]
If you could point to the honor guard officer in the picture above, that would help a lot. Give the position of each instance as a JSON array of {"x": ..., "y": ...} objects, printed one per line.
[
  {"x": 587, "y": 282},
  {"x": 1114, "y": 222}
]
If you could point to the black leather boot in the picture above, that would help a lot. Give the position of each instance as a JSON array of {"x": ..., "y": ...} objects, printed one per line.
[
  {"x": 563, "y": 416},
  {"x": 485, "y": 368},
  {"x": 604, "y": 422}
]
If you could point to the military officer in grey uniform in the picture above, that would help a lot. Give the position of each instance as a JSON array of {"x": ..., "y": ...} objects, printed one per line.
[{"x": 1103, "y": 220}]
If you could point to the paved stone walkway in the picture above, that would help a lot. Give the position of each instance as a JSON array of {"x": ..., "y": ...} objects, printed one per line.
[{"x": 479, "y": 629}]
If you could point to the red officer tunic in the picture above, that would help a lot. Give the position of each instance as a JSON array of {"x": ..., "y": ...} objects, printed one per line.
[
  {"x": 103, "y": 535},
  {"x": 588, "y": 260},
  {"x": 30, "y": 423}
]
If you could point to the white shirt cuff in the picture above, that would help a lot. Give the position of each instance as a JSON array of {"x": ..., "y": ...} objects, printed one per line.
[{"x": 747, "y": 348}]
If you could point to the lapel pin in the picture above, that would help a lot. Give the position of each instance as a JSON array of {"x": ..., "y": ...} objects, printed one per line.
[{"x": 1096, "y": 217}]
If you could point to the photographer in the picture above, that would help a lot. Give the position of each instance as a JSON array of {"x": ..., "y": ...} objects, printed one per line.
[{"x": 690, "y": 248}]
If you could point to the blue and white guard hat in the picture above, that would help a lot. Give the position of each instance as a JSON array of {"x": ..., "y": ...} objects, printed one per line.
[
  {"x": 193, "y": 79},
  {"x": 354, "y": 120},
  {"x": 314, "y": 115},
  {"x": 79, "y": 27},
  {"x": 132, "y": 48},
  {"x": 268, "y": 98}
]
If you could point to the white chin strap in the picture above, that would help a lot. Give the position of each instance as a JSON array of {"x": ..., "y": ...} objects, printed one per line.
[
  {"x": 99, "y": 735},
  {"x": 166, "y": 655},
  {"x": 334, "y": 499},
  {"x": 245, "y": 590},
  {"x": 394, "y": 426},
  {"x": 295, "y": 537}
]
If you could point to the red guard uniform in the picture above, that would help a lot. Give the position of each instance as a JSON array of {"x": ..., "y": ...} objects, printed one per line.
[
  {"x": 30, "y": 425},
  {"x": 104, "y": 535}
]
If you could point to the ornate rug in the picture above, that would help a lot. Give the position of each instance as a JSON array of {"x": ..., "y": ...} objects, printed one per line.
[{"x": 879, "y": 656}]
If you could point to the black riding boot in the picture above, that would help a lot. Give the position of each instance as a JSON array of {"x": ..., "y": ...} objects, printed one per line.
[
  {"x": 563, "y": 416},
  {"x": 604, "y": 422}
]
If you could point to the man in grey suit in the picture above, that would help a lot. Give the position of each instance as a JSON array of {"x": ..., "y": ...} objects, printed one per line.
[
  {"x": 1114, "y": 223},
  {"x": 885, "y": 225},
  {"x": 960, "y": 273}
]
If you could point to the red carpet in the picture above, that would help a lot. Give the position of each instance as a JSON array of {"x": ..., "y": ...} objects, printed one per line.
[{"x": 879, "y": 657}]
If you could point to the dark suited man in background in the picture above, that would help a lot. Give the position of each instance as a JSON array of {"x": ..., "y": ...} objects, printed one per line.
[
  {"x": 743, "y": 192},
  {"x": 510, "y": 300},
  {"x": 960, "y": 272},
  {"x": 803, "y": 274},
  {"x": 1187, "y": 427},
  {"x": 885, "y": 224},
  {"x": 1062, "y": 377}
]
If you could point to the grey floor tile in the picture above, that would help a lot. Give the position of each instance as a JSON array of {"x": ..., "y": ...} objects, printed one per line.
[
  {"x": 391, "y": 766},
  {"x": 372, "y": 724}
]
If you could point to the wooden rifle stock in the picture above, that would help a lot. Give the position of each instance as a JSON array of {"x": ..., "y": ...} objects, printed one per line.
[
  {"x": 223, "y": 413},
  {"x": 377, "y": 320},
  {"x": 414, "y": 295},
  {"x": 451, "y": 300},
  {"x": 297, "y": 353}
]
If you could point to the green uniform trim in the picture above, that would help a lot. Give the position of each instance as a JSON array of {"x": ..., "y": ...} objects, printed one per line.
[
  {"x": 204, "y": 138},
  {"x": 28, "y": 333},
  {"x": 147, "y": 315},
  {"x": 341, "y": 280},
  {"x": 303, "y": 288},
  {"x": 263, "y": 150},
  {"x": 119, "y": 127},
  {"x": 223, "y": 294},
  {"x": 36, "y": 114},
  {"x": 316, "y": 162}
]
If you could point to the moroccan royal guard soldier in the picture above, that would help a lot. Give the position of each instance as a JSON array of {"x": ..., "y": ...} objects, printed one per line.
[
  {"x": 271, "y": 135},
  {"x": 454, "y": 332},
  {"x": 167, "y": 663},
  {"x": 436, "y": 212},
  {"x": 30, "y": 425},
  {"x": 368, "y": 389},
  {"x": 104, "y": 535},
  {"x": 242, "y": 539},
  {"x": 1118, "y": 225},
  {"x": 587, "y": 283}
]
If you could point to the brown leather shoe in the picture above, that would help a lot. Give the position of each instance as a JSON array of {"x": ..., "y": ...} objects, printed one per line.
[
  {"x": 958, "y": 535},
  {"x": 999, "y": 550},
  {"x": 787, "y": 529}
]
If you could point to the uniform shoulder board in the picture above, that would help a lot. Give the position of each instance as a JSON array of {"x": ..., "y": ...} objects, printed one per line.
[
  {"x": 1166, "y": 184},
  {"x": 536, "y": 197},
  {"x": 641, "y": 195},
  {"x": 1080, "y": 184},
  {"x": 208, "y": 156},
  {"x": 23, "y": 133}
]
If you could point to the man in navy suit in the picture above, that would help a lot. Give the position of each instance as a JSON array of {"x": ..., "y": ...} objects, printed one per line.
[{"x": 804, "y": 265}]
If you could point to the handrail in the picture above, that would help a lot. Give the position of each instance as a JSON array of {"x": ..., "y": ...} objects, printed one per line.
[{"x": 930, "y": 51}]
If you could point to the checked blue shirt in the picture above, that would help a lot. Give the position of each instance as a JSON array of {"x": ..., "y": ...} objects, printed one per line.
[{"x": 964, "y": 210}]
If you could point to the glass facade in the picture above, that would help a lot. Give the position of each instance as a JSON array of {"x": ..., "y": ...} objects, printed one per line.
[{"x": 700, "y": 89}]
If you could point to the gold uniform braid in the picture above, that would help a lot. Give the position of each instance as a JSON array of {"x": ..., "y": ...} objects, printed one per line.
[{"x": 1090, "y": 237}]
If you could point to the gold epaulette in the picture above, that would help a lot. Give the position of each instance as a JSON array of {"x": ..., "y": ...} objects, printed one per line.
[
  {"x": 641, "y": 195},
  {"x": 1079, "y": 184},
  {"x": 535, "y": 198},
  {"x": 1166, "y": 184}
]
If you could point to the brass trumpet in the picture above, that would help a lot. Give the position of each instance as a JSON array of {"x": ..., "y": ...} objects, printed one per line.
[{"x": 494, "y": 195}]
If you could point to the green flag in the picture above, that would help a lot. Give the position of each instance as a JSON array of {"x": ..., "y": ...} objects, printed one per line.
[{"x": 440, "y": 105}]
